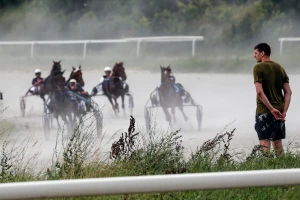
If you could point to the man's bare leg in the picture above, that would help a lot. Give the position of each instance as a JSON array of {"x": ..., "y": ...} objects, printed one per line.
[
  {"x": 277, "y": 145},
  {"x": 265, "y": 145}
]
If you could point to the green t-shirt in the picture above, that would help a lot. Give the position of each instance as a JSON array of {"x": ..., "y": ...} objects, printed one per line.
[{"x": 272, "y": 76}]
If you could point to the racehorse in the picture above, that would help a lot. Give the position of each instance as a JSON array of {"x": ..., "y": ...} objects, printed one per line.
[
  {"x": 76, "y": 74},
  {"x": 114, "y": 88},
  {"x": 168, "y": 97},
  {"x": 60, "y": 104},
  {"x": 47, "y": 85}
]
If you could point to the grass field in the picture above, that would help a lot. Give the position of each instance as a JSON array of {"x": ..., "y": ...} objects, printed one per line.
[{"x": 152, "y": 154}]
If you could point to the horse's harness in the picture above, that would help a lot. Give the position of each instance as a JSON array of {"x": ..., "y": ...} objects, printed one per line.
[{"x": 166, "y": 82}]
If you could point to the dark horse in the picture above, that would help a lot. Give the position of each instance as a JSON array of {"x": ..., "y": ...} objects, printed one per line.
[
  {"x": 168, "y": 97},
  {"x": 77, "y": 75},
  {"x": 47, "y": 85},
  {"x": 60, "y": 104},
  {"x": 114, "y": 88}
]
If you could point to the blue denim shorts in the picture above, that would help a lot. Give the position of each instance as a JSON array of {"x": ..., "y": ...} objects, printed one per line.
[{"x": 268, "y": 128}]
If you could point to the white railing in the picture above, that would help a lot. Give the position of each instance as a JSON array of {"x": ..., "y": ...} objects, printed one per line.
[
  {"x": 138, "y": 40},
  {"x": 290, "y": 39},
  {"x": 166, "y": 39},
  {"x": 1, "y": 102},
  {"x": 149, "y": 184}
]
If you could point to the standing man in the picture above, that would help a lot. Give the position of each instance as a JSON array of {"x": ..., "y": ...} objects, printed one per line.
[{"x": 272, "y": 104}]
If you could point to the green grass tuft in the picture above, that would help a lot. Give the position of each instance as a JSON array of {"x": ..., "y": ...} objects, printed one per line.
[{"x": 136, "y": 153}]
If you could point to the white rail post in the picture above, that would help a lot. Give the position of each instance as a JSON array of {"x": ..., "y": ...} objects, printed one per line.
[
  {"x": 84, "y": 49},
  {"x": 149, "y": 184},
  {"x": 31, "y": 49},
  {"x": 193, "y": 47},
  {"x": 281, "y": 45},
  {"x": 138, "y": 48},
  {"x": 1, "y": 101}
]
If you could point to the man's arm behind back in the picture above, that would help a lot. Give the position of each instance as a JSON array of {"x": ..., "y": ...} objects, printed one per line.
[{"x": 287, "y": 96}]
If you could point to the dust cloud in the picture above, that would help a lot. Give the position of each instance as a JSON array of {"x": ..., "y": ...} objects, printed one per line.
[{"x": 228, "y": 102}]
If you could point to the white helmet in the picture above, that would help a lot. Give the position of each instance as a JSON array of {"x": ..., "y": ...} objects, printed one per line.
[
  {"x": 107, "y": 69},
  {"x": 37, "y": 71},
  {"x": 73, "y": 81}
]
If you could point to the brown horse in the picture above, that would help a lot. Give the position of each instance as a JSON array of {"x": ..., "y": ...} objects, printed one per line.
[
  {"x": 77, "y": 75},
  {"x": 119, "y": 71},
  {"x": 114, "y": 88},
  {"x": 60, "y": 104},
  {"x": 168, "y": 97},
  {"x": 47, "y": 85}
]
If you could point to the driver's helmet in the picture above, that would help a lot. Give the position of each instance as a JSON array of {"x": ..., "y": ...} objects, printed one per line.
[
  {"x": 37, "y": 71},
  {"x": 73, "y": 82},
  {"x": 172, "y": 78},
  {"x": 107, "y": 69}
]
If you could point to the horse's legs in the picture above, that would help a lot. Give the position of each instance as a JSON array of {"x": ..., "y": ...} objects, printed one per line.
[
  {"x": 168, "y": 116},
  {"x": 73, "y": 113},
  {"x": 183, "y": 113},
  {"x": 179, "y": 103},
  {"x": 111, "y": 102},
  {"x": 123, "y": 104},
  {"x": 107, "y": 88},
  {"x": 72, "y": 121},
  {"x": 116, "y": 105},
  {"x": 58, "y": 124},
  {"x": 64, "y": 118},
  {"x": 42, "y": 95},
  {"x": 55, "y": 115},
  {"x": 173, "y": 113}
]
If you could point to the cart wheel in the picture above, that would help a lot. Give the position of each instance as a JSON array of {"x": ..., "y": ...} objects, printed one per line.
[
  {"x": 131, "y": 105},
  {"x": 199, "y": 118},
  {"x": 99, "y": 122},
  {"x": 22, "y": 107},
  {"x": 147, "y": 118},
  {"x": 51, "y": 120},
  {"x": 46, "y": 123},
  {"x": 154, "y": 100}
]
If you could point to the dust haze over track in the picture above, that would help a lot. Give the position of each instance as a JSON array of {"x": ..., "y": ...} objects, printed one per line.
[{"x": 228, "y": 102}]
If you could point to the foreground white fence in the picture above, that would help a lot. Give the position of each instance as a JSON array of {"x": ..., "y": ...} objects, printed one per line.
[
  {"x": 138, "y": 40},
  {"x": 148, "y": 184}
]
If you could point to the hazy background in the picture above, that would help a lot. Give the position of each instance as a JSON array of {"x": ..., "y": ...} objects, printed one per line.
[{"x": 231, "y": 28}]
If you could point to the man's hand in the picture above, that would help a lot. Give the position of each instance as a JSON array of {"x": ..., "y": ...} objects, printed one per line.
[
  {"x": 284, "y": 114},
  {"x": 260, "y": 93},
  {"x": 37, "y": 83},
  {"x": 278, "y": 115}
]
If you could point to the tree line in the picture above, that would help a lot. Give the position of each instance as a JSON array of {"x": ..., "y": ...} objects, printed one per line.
[{"x": 229, "y": 22}]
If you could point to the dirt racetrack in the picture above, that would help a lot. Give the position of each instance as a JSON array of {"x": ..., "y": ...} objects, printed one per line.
[{"x": 228, "y": 102}]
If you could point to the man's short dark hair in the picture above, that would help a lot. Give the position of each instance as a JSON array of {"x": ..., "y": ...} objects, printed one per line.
[{"x": 263, "y": 47}]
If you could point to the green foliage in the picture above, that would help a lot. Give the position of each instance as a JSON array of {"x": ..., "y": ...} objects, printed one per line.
[
  {"x": 230, "y": 22},
  {"x": 158, "y": 153}
]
